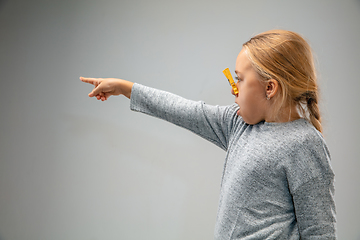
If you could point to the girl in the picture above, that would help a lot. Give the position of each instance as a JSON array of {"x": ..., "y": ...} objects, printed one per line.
[{"x": 277, "y": 180}]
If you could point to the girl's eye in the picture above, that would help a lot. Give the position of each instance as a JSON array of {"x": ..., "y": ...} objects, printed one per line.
[{"x": 237, "y": 78}]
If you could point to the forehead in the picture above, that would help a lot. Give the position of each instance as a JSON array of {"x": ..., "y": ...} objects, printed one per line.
[{"x": 243, "y": 63}]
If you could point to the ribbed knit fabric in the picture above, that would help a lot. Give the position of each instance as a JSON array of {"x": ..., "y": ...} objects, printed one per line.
[{"x": 277, "y": 180}]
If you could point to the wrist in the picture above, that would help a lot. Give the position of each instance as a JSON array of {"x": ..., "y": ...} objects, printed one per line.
[{"x": 127, "y": 87}]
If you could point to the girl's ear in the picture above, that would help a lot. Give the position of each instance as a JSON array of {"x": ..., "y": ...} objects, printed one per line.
[{"x": 272, "y": 87}]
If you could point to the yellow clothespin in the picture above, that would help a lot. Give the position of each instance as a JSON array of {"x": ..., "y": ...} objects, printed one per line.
[{"x": 231, "y": 80}]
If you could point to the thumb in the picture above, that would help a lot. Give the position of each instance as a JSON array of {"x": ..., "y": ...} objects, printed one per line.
[{"x": 95, "y": 91}]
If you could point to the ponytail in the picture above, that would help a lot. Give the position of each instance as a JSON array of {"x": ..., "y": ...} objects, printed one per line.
[{"x": 310, "y": 109}]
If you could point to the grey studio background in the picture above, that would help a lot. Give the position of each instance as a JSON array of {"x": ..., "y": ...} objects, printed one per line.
[{"x": 72, "y": 167}]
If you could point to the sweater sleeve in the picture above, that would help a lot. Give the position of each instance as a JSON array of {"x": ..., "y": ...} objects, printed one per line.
[
  {"x": 213, "y": 123},
  {"x": 311, "y": 182},
  {"x": 315, "y": 209}
]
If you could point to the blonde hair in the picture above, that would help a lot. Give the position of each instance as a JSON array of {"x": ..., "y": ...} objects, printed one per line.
[{"x": 286, "y": 57}]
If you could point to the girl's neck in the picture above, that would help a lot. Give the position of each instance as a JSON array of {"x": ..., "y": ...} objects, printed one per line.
[{"x": 286, "y": 114}]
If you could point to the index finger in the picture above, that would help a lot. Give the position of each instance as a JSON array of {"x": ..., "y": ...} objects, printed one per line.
[{"x": 91, "y": 80}]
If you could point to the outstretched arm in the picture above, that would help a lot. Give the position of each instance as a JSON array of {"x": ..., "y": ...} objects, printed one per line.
[
  {"x": 105, "y": 87},
  {"x": 213, "y": 123}
]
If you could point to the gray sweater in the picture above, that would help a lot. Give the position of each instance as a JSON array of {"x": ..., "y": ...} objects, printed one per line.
[{"x": 277, "y": 180}]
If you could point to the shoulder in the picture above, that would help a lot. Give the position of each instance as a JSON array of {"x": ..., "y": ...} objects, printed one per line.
[
  {"x": 308, "y": 156},
  {"x": 308, "y": 142}
]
